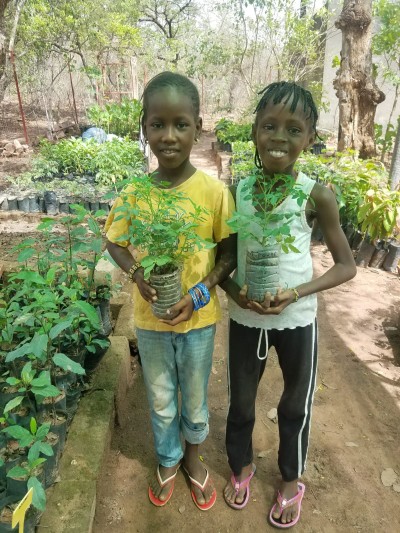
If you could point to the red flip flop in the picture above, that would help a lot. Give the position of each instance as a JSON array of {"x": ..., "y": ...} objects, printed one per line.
[
  {"x": 207, "y": 505},
  {"x": 283, "y": 504},
  {"x": 156, "y": 501}
]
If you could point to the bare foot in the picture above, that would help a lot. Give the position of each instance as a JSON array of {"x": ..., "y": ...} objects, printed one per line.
[
  {"x": 230, "y": 494},
  {"x": 288, "y": 490},
  {"x": 197, "y": 471},
  {"x": 165, "y": 472}
]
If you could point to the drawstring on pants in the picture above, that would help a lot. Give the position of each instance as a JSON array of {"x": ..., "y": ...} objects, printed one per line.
[{"x": 259, "y": 344}]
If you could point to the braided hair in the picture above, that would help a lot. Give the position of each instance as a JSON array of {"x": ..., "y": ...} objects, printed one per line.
[
  {"x": 283, "y": 91},
  {"x": 170, "y": 80}
]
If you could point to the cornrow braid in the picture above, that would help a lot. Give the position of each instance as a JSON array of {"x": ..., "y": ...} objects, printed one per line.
[
  {"x": 283, "y": 91},
  {"x": 170, "y": 80}
]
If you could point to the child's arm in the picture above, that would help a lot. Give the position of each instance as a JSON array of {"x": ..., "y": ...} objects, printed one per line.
[
  {"x": 124, "y": 259},
  {"x": 225, "y": 263},
  {"x": 344, "y": 268}
]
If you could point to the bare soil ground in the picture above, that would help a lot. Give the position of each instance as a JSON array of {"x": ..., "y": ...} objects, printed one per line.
[{"x": 355, "y": 431}]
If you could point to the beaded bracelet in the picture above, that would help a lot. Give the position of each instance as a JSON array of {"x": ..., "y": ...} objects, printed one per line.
[
  {"x": 200, "y": 296},
  {"x": 132, "y": 270},
  {"x": 296, "y": 294}
]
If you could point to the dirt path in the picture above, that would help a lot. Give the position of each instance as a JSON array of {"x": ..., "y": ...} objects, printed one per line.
[{"x": 354, "y": 436}]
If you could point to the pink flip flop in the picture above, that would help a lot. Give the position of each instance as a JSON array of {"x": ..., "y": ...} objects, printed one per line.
[
  {"x": 237, "y": 485},
  {"x": 202, "y": 506},
  {"x": 283, "y": 504},
  {"x": 156, "y": 501}
]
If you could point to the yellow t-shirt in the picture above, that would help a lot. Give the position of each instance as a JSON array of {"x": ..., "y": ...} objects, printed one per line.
[{"x": 216, "y": 198}]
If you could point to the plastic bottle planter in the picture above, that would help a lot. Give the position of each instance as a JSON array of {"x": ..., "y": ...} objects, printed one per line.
[
  {"x": 169, "y": 291},
  {"x": 262, "y": 272}
]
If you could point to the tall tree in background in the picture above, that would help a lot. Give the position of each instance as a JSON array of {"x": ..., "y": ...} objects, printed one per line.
[
  {"x": 395, "y": 166},
  {"x": 355, "y": 85},
  {"x": 10, "y": 13},
  {"x": 386, "y": 45},
  {"x": 171, "y": 25}
]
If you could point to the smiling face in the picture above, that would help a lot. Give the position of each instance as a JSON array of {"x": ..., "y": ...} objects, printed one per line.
[
  {"x": 280, "y": 136},
  {"x": 171, "y": 127}
]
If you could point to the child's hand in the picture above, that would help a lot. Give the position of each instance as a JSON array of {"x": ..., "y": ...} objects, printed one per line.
[
  {"x": 180, "y": 312},
  {"x": 242, "y": 299},
  {"x": 146, "y": 290},
  {"x": 273, "y": 305}
]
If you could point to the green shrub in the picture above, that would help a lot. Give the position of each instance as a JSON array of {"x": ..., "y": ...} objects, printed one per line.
[
  {"x": 242, "y": 164},
  {"x": 109, "y": 162},
  {"x": 350, "y": 177},
  {"x": 119, "y": 118},
  {"x": 228, "y": 131}
]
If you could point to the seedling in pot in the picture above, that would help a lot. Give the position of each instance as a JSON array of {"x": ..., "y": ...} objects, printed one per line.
[{"x": 268, "y": 225}]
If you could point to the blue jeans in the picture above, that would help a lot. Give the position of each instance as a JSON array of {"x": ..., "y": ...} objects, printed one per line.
[{"x": 173, "y": 361}]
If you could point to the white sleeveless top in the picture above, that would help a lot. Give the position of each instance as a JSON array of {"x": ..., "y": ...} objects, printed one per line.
[{"x": 294, "y": 268}]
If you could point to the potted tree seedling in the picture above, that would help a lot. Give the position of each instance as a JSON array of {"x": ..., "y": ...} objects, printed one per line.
[
  {"x": 267, "y": 224},
  {"x": 378, "y": 218},
  {"x": 162, "y": 228}
]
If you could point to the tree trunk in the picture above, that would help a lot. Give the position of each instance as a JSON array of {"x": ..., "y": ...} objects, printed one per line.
[
  {"x": 395, "y": 165},
  {"x": 355, "y": 85},
  {"x": 5, "y": 76}
]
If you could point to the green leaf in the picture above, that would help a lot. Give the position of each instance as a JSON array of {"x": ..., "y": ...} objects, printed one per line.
[
  {"x": 89, "y": 311},
  {"x": 60, "y": 327},
  {"x": 18, "y": 472},
  {"x": 39, "y": 495},
  {"x": 43, "y": 380},
  {"x": 47, "y": 392},
  {"x": 64, "y": 362},
  {"x": 32, "y": 277},
  {"x": 34, "y": 451},
  {"x": 39, "y": 345},
  {"x": 13, "y": 381},
  {"x": 93, "y": 226},
  {"x": 13, "y": 403},
  {"x": 46, "y": 449},
  {"x": 27, "y": 374},
  {"x": 25, "y": 255},
  {"x": 33, "y": 425},
  {"x": 18, "y": 352},
  {"x": 50, "y": 276},
  {"x": 43, "y": 431}
]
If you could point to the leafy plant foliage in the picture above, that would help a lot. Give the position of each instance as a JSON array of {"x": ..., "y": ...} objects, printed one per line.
[
  {"x": 119, "y": 118},
  {"x": 163, "y": 224}
]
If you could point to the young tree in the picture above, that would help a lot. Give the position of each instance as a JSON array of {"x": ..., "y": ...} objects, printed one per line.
[
  {"x": 10, "y": 13},
  {"x": 386, "y": 44},
  {"x": 395, "y": 166},
  {"x": 355, "y": 85}
]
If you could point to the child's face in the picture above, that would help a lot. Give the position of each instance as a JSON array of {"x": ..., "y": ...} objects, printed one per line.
[
  {"x": 280, "y": 136},
  {"x": 171, "y": 127}
]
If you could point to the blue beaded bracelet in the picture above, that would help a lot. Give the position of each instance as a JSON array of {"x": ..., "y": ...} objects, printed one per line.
[{"x": 200, "y": 296}]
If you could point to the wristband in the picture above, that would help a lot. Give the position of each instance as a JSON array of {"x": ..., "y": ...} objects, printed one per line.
[
  {"x": 296, "y": 294},
  {"x": 200, "y": 296},
  {"x": 132, "y": 270}
]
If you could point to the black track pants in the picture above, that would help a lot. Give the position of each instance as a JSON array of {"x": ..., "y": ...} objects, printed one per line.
[{"x": 297, "y": 354}]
